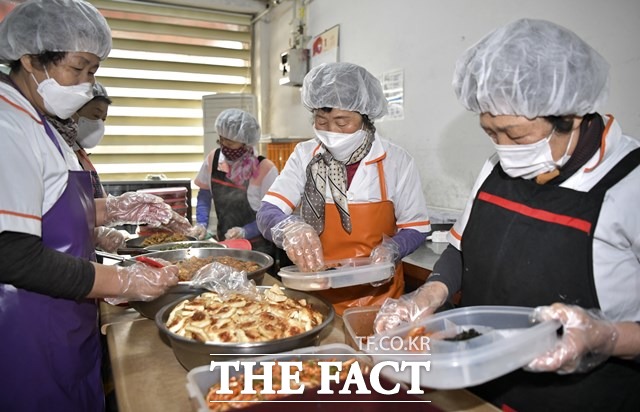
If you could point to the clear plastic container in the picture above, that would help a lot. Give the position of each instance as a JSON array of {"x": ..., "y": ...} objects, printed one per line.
[
  {"x": 344, "y": 272},
  {"x": 200, "y": 379},
  {"x": 166, "y": 192},
  {"x": 508, "y": 341},
  {"x": 358, "y": 325}
]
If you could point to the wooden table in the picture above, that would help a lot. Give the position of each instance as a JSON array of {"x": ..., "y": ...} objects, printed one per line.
[{"x": 148, "y": 377}]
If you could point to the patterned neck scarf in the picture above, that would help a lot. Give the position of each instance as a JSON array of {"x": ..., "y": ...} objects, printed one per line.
[
  {"x": 67, "y": 128},
  {"x": 242, "y": 167},
  {"x": 313, "y": 201}
]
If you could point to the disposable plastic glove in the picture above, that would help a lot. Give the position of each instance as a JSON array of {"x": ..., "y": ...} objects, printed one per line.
[
  {"x": 109, "y": 239},
  {"x": 135, "y": 208},
  {"x": 411, "y": 307},
  {"x": 588, "y": 339},
  {"x": 235, "y": 233},
  {"x": 198, "y": 231},
  {"x": 178, "y": 224},
  {"x": 143, "y": 282},
  {"x": 300, "y": 241},
  {"x": 387, "y": 251}
]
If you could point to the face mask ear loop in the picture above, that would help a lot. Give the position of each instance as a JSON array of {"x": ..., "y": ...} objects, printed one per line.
[
  {"x": 560, "y": 161},
  {"x": 566, "y": 152},
  {"x": 45, "y": 72}
]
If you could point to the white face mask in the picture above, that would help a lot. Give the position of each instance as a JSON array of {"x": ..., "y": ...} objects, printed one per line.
[
  {"x": 530, "y": 160},
  {"x": 90, "y": 132},
  {"x": 341, "y": 145},
  {"x": 63, "y": 101}
]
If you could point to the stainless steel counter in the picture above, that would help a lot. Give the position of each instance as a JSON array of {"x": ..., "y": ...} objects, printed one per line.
[{"x": 426, "y": 255}]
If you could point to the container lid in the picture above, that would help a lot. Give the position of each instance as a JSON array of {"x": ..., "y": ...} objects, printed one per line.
[
  {"x": 342, "y": 273},
  {"x": 506, "y": 340}
]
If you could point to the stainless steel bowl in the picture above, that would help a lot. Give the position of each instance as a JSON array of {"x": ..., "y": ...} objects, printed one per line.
[
  {"x": 137, "y": 242},
  {"x": 191, "y": 353},
  {"x": 150, "y": 308},
  {"x": 193, "y": 244},
  {"x": 178, "y": 292},
  {"x": 262, "y": 259}
]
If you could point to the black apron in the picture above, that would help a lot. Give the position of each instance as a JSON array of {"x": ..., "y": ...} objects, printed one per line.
[
  {"x": 232, "y": 206},
  {"x": 530, "y": 245}
]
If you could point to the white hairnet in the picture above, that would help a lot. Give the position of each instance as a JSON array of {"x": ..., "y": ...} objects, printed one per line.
[
  {"x": 37, "y": 26},
  {"x": 531, "y": 68},
  {"x": 239, "y": 126},
  {"x": 344, "y": 86}
]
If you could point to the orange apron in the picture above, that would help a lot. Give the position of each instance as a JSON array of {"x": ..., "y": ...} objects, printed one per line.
[{"x": 369, "y": 222}]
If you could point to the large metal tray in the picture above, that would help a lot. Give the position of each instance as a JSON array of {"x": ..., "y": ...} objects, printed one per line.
[
  {"x": 191, "y": 353},
  {"x": 187, "y": 244},
  {"x": 137, "y": 242},
  {"x": 150, "y": 308}
]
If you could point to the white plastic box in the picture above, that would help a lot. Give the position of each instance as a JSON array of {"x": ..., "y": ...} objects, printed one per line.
[
  {"x": 347, "y": 272},
  {"x": 200, "y": 379},
  {"x": 508, "y": 341}
]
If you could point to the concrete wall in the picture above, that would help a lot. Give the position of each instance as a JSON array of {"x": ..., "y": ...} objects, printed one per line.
[{"x": 424, "y": 38}]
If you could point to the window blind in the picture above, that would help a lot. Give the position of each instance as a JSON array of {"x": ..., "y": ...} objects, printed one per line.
[{"x": 164, "y": 59}]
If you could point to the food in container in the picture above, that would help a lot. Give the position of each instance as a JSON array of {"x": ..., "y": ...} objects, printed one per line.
[
  {"x": 150, "y": 309},
  {"x": 201, "y": 381},
  {"x": 255, "y": 263},
  {"x": 358, "y": 325},
  {"x": 158, "y": 238},
  {"x": 192, "y": 353},
  {"x": 506, "y": 340},
  {"x": 185, "y": 245},
  {"x": 309, "y": 377},
  {"x": 140, "y": 243},
  {"x": 239, "y": 318}
]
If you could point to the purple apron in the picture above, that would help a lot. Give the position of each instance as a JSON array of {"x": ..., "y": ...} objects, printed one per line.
[{"x": 50, "y": 348}]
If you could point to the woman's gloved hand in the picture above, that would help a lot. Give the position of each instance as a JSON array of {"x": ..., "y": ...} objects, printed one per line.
[
  {"x": 301, "y": 242},
  {"x": 198, "y": 231},
  {"x": 411, "y": 307},
  {"x": 109, "y": 239},
  {"x": 143, "y": 282},
  {"x": 387, "y": 251},
  {"x": 588, "y": 339},
  {"x": 178, "y": 224},
  {"x": 235, "y": 233},
  {"x": 134, "y": 208}
]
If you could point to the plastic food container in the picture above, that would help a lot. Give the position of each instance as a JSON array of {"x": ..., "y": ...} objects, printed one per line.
[
  {"x": 166, "y": 192},
  {"x": 200, "y": 379},
  {"x": 508, "y": 341},
  {"x": 358, "y": 325},
  {"x": 346, "y": 272}
]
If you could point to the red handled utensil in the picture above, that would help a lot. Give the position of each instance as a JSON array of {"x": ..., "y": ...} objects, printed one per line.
[
  {"x": 142, "y": 259},
  {"x": 148, "y": 261}
]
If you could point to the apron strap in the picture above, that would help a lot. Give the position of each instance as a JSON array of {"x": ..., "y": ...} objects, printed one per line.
[
  {"x": 52, "y": 136},
  {"x": 619, "y": 172}
]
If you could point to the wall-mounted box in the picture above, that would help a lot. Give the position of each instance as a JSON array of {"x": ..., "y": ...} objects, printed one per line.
[{"x": 294, "y": 65}]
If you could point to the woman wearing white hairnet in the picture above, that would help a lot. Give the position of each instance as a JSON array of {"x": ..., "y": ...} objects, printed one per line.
[
  {"x": 553, "y": 219},
  {"x": 236, "y": 180},
  {"x": 50, "y": 349},
  {"x": 360, "y": 195}
]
